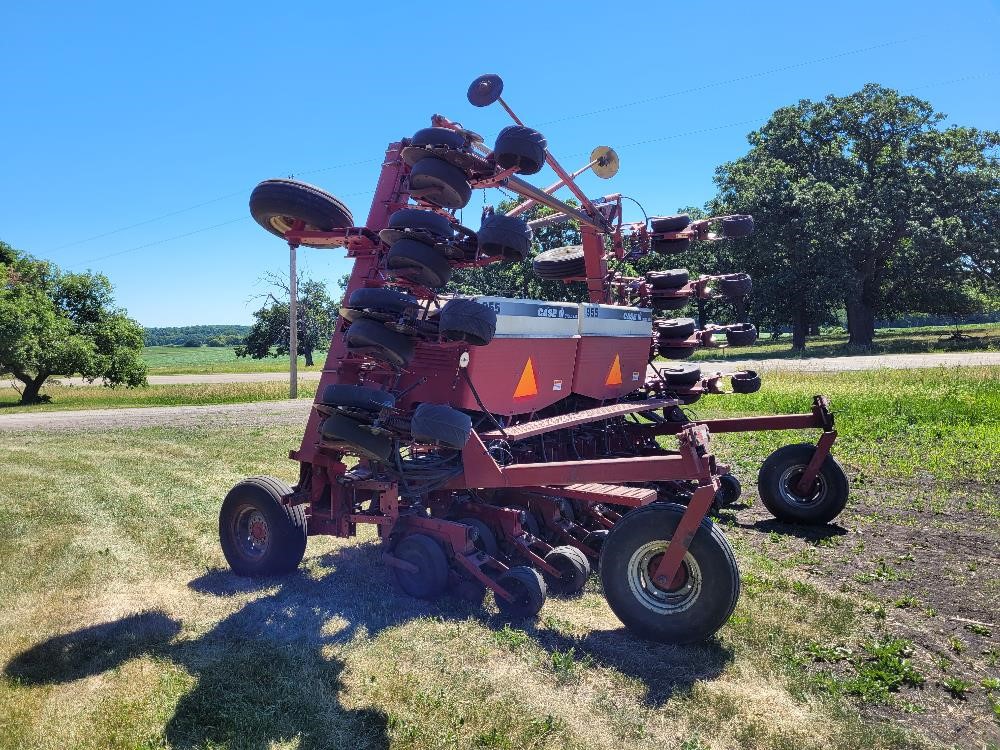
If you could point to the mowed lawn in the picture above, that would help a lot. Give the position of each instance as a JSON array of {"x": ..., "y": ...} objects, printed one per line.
[{"x": 122, "y": 628}]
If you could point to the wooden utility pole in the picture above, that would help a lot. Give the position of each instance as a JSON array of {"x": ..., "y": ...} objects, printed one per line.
[{"x": 293, "y": 326}]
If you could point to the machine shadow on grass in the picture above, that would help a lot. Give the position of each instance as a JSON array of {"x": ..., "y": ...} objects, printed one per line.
[{"x": 264, "y": 674}]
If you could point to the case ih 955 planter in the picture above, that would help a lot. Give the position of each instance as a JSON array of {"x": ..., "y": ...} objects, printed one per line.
[{"x": 512, "y": 444}]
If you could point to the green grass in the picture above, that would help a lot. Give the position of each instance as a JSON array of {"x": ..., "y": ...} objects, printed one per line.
[
  {"x": 920, "y": 340},
  {"x": 121, "y": 629},
  {"x": 98, "y": 397},
  {"x": 179, "y": 360},
  {"x": 937, "y": 422}
]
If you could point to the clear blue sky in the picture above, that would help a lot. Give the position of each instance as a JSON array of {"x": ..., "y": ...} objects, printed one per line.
[{"x": 118, "y": 113}]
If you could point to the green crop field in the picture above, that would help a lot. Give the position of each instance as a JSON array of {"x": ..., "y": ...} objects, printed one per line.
[
  {"x": 122, "y": 628},
  {"x": 174, "y": 360}
]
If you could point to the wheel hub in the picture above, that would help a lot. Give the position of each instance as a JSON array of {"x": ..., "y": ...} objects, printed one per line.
[
  {"x": 663, "y": 597},
  {"x": 252, "y": 534},
  {"x": 789, "y": 480}
]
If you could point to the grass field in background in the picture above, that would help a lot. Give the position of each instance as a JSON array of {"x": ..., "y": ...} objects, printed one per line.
[
  {"x": 180, "y": 360},
  {"x": 98, "y": 397},
  {"x": 922, "y": 340}
]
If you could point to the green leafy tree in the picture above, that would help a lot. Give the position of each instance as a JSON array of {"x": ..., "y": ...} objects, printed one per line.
[
  {"x": 317, "y": 319},
  {"x": 57, "y": 323},
  {"x": 866, "y": 202}
]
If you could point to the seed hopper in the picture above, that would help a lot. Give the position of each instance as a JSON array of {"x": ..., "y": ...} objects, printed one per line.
[{"x": 513, "y": 445}]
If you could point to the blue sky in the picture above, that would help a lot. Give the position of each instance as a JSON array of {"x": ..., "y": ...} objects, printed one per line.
[{"x": 118, "y": 114}]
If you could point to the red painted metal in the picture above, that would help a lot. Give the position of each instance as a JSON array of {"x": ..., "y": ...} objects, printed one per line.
[
  {"x": 823, "y": 445},
  {"x": 564, "y": 421}
]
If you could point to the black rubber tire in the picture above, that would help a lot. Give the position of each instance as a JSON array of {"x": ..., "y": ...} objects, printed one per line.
[
  {"x": 372, "y": 337},
  {"x": 670, "y": 247},
  {"x": 675, "y": 328},
  {"x": 682, "y": 374},
  {"x": 529, "y": 591},
  {"x": 560, "y": 263},
  {"x": 437, "y": 182},
  {"x": 486, "y": 540},
  {"x": 344, "y": 429},
  {"x": 675, "y": 352},
  {"x": 358, "y": 397},
  {"x": 742, "y": 334},
  {"x": 422, "y": 221},
  {"x": 441, "y": 424},
  {"x": 729, "y": 490},
  {"x": 419, "y": 263},
  {"x": 574, "y": 570},
  {"x": 670, "y": 303},
  {"x": 275, "y": 204},
  {"x": 380, "y": 300},
  {"x": 507, "y": 236},
  {"x": 431, "y": 578},
  {"x": 706, "y": 608},
  {"x": 669, "y": 279},
  {"x": 745, "y": 382},
  {"x": 521, "y": 147},
  {"x": 780, "y": 472},
  {"x": 467, "y": 320},
  {"x": 444, "y": 137},
  {"x": 669, "y": 223},
  {"x": 737, "y": 227},
  {"x": 735, "y": 285},
  {"x": 285, "y": 528}
]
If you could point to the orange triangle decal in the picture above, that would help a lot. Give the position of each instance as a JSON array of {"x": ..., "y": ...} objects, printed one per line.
[
  {"x": 615, "y": 375},
  {"x": 526, "y": 386}
]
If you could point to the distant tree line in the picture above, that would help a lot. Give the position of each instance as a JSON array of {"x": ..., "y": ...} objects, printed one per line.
[{"x": 208, "y": 335}]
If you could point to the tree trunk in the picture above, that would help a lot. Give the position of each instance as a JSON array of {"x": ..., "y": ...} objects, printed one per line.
[
  {"x": 860, "y": 322},
  {"x": 799, "y": 330},
  {"x": 32, "y": 386},
  {"x": 701, "y": 315},
  {"x": 309, "y": 356}
]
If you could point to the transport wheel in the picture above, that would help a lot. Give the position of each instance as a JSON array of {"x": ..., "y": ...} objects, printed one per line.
[
  {"x": 277, "y": 204},
  {"x": 507, "y": 236},
  {"x": 742, "y": 334},
  {"x": 675, "y": 352},
  {"x": 520, "y": 147},
  {"x": 676, "y": 328},
  {"x": 358, "y": 397},
  {"x": 782, "y": 470},
  {"x": 529, "y": 593},
  {"x": 431, "y": 576},
  {"x": 574, "y": 570},
  {"x": 670, "y": 303},
  {"x": 669, "y": 223},
  {"x": 443, "y": 137},
  {"x": 681, "y": 374},
  {"x": 436, "y": 181},
  {"x": 486, "y": 540},
  {"x": 737, "y": 227},
  {"x": 467, "y": 320},
  {"x": 419, "y": 263},
  {"x": 382, "y": 304},
  {"x": 670, "y": 279},
  {"x": 417, "y": 224},
  {"x": 560, "y": 263},
  {"x": 371, "y": 337},
  {"x": 729, "y": 491},
  {"x": 734, "y": 285},
  {"x": 745, "y": 382},
  {"x": 440, "y": 423},
  {"x": 686, "y": 613},
  {"x": 344, "y": 429},
  {"x": 259, "y": 535}
]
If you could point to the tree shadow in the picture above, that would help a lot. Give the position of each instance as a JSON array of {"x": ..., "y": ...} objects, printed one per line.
[{"x": 269, "y": 672}]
